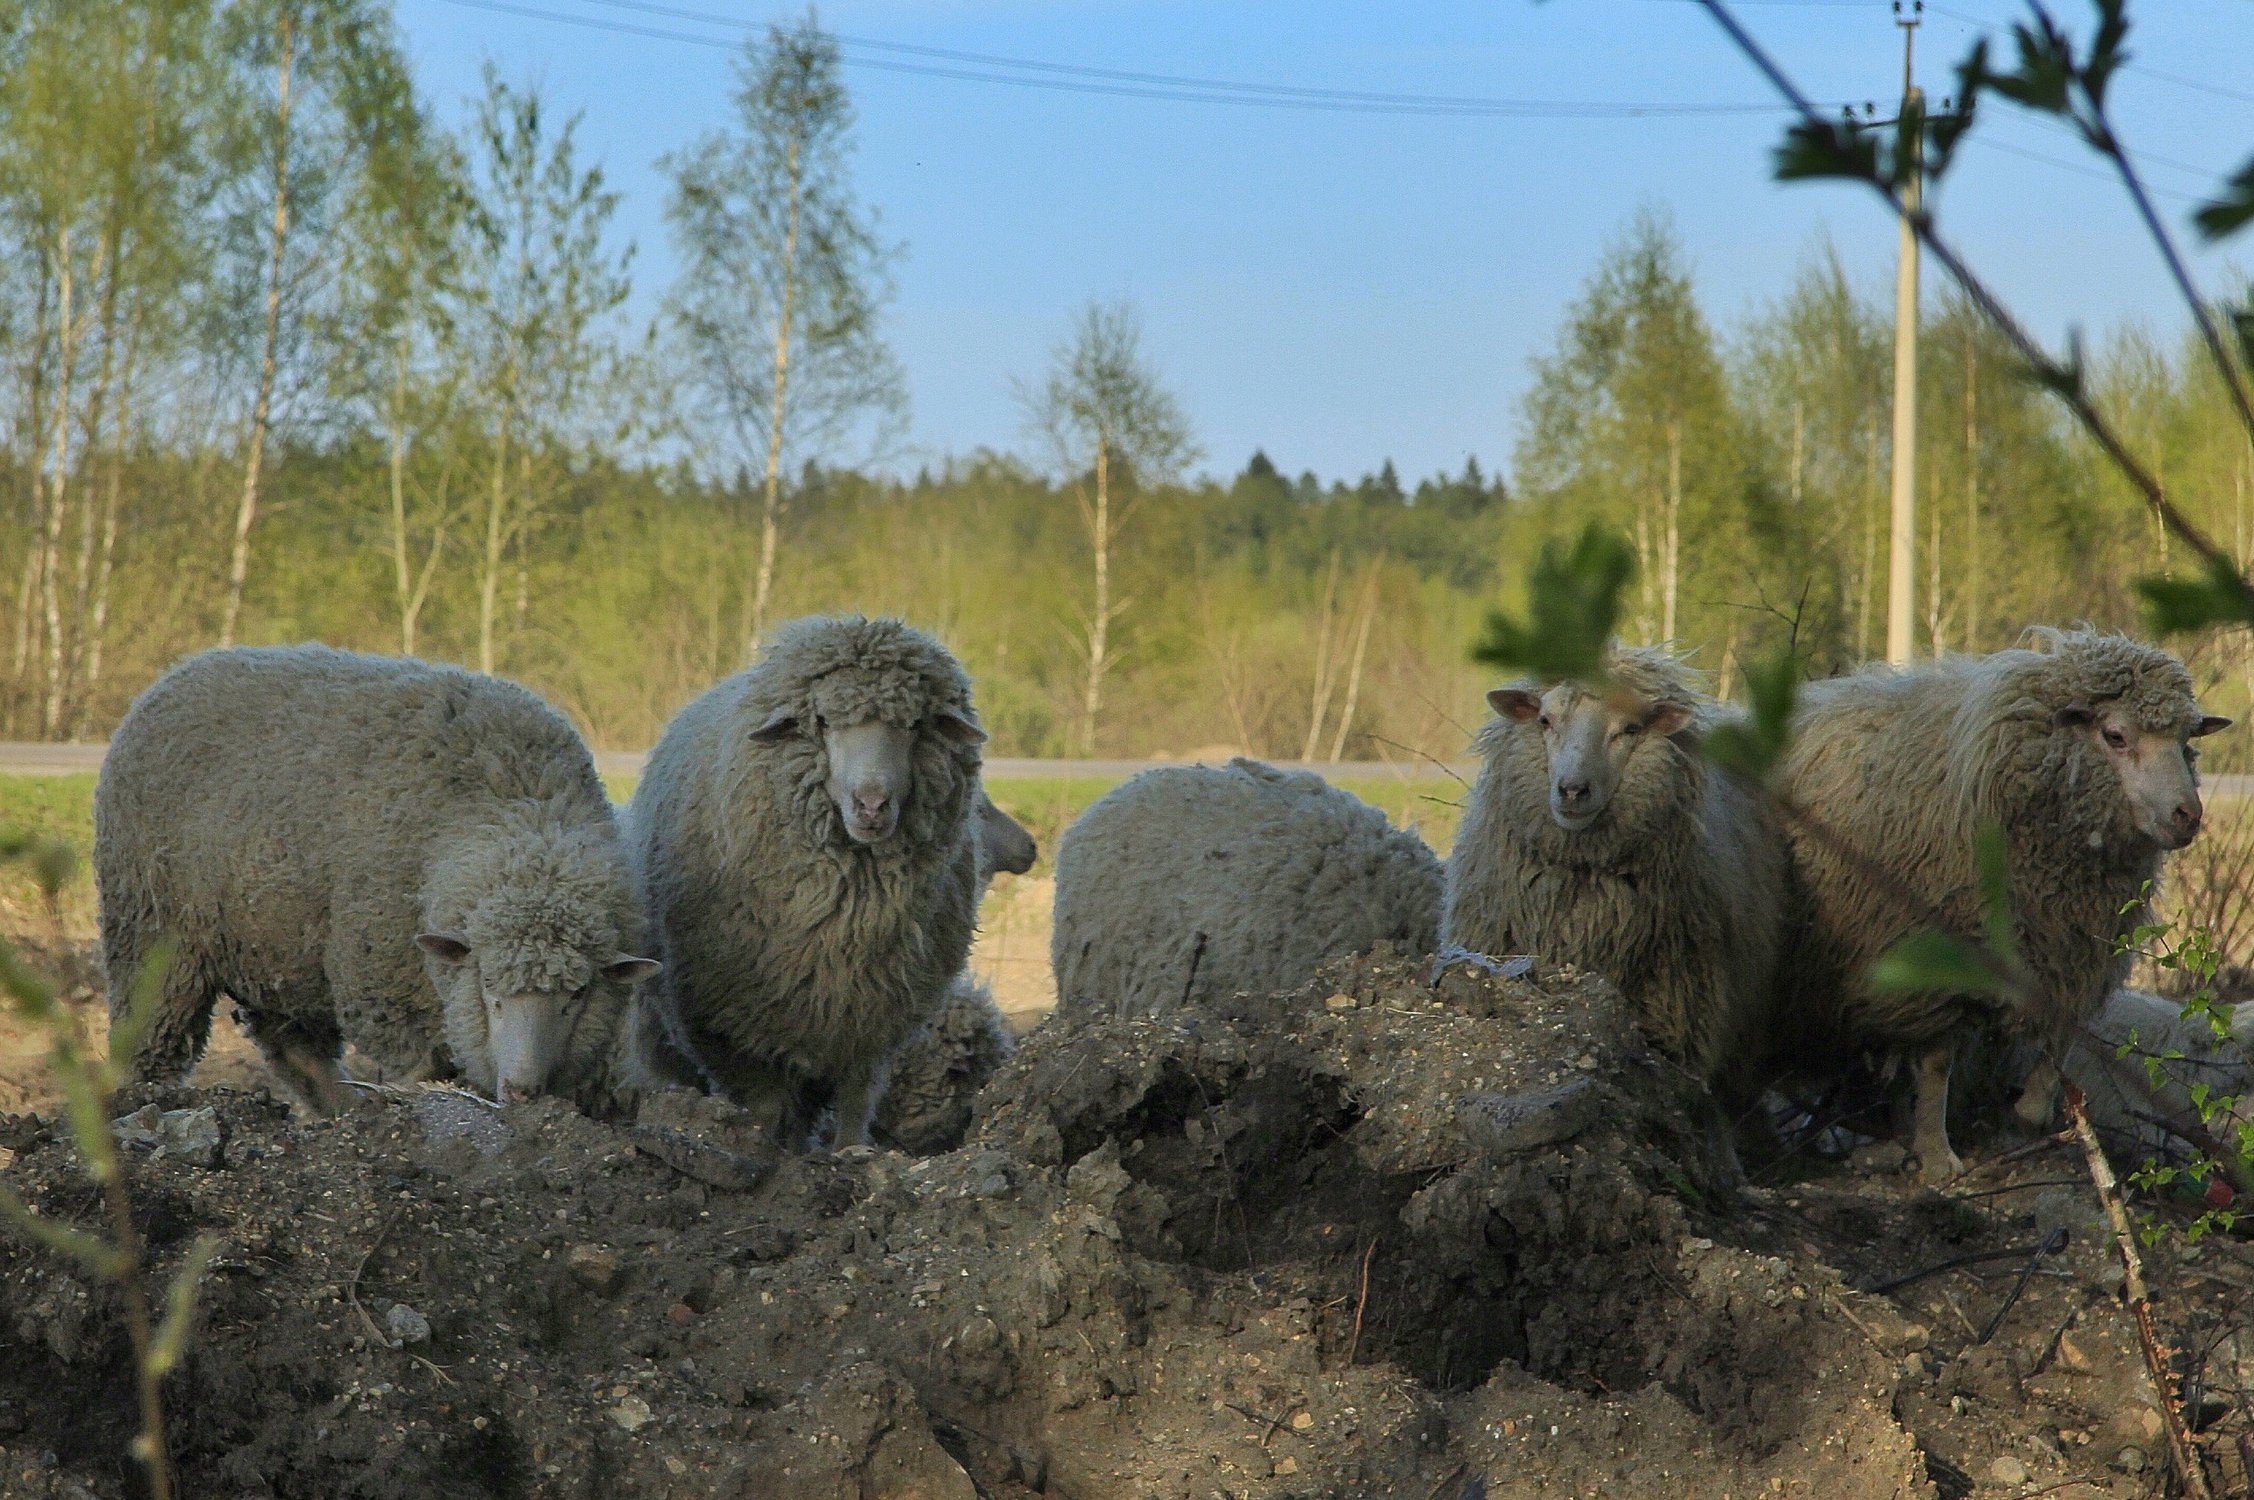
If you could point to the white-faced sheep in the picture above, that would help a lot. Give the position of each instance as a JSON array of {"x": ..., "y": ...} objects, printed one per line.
[
  {"x": 806, "y": 833},
  {"x": 2079, "y": 752},
  {"x": 939, "y": 1070},
  {"x": 1196, "y": 882},
  {"x": 1598, "y": 835},
  {"x": 407, "y": 857}
]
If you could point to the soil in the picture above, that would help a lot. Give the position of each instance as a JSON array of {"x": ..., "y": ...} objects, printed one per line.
[{"x": 1370, "y": 1239}]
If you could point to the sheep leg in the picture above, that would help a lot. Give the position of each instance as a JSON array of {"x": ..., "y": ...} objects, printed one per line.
[
  {"x": 304, "y": 1055},
  {"x": 179, "y": 1025},
  {"x": 2038, "y": 1097},
  {"x": 857, "y": 1093},
  {"x": 1936, "y": 1161}
]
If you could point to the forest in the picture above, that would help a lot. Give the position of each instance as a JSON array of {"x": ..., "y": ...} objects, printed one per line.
[{"x": 283, "y": 358}]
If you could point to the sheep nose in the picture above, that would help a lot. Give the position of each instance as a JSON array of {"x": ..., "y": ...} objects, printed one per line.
[
  {"x": 514, "y": 1093},
  {"x": 2186, "y": 818},
  {"x": 871, "y": 807},
  {"x": 1571, "y": 792}
]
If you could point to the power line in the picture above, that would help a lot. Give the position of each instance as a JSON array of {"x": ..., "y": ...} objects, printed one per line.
[
  {"x": 1083, "y": 79},
  {"x": 2178, "y": 79}
]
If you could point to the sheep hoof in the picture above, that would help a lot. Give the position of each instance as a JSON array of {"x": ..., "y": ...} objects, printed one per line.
[
  {"x": 1501, "y": 1126},
  {"x": 1935, "y": 1168},
  {"x": 1454, "y": 956}
]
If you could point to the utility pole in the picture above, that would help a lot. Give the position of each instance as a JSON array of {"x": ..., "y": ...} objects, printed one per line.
[{"x": 1901, "y": 582}]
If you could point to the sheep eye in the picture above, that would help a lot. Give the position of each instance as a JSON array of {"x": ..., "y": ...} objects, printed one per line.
[
  {"x": 1628, "y": 729},
  {"x": 1543, "y": 720},
  {"x": 2116, "y": 738}
]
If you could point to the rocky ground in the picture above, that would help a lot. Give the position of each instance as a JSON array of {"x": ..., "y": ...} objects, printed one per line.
[{"x": 1371, "y": 1239}]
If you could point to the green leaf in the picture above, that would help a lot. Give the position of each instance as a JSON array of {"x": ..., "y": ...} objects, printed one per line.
[
  {"x": 1991, "y": 858},
  {"x": 1752, "y": 745},
  {"x": 1933, "y": 961},
  {"x": 1572, "y": 605},
  {"x": 2228, "y": 212},
  {"x": 2106, "y": 50},
  {"x": 87, "y": 1111},
  {"x": 2181, "y": 606},
  {"x": 2046, "y": 67},
  {"x": 171, "y": 1340},
  {"x": 97, "y": 1256},
  {"x": 1813, "y": 150}
]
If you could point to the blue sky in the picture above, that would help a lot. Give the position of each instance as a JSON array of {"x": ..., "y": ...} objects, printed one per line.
[{"x": 1343, "y": 288}]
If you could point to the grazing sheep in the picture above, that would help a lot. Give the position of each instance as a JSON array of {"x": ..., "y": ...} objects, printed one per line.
[
  {"x": 806, "y": 833},
  {"x": 1599, "y": 835},
  {"x": 2079, "y": 751},
  {"x": 939, "y": 1070},
  {"x": 1194, "y": 882},
  {"x": 2142, "y": 1111},
  {"x": 407, "y": 857}
]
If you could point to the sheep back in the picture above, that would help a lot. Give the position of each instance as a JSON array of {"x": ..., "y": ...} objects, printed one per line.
[
  {"x": 1193, "y": 882},
  {"x": 787, "y": 947}
]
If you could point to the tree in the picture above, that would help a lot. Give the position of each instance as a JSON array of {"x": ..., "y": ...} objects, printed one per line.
[
  {"x": 334, "y": 70},
  {"x": 784, "y": 276},
  {"x": 539, "y": 291},
  {"x": 1631, "y": 418},
  {"x": 1110, "y": 425}
]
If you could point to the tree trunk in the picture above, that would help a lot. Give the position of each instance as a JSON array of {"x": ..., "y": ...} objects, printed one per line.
[
  {"x": 771, "y": 508},
  {"x": 1674, "y": 544},
  {"x": 1354, "y": 672},
  {"x": 402, "y": 579},
  {"x": 261, "y": 411},
  {"x": 35, "y": 418},
  {"x": 1799, "y": 448},
  {"x": 496, "y": 540},
  {"x": 58, "y": 495},
  {"x": 1099, "y": 627},
  {"x": 1971, "y": 498},
  {"x": 1870, "y": 550},
  {"x": 1319, "y": 705},
  {"x": 95, "y": 629},
  {"x": 1933, "y": 617},
  {"x": 110, "y": 254}
]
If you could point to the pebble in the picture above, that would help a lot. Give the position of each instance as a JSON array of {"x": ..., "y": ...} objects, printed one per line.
[
  {"x": 596, "y": 1267},
  {"x": 681, "y": 1314},
  {"x": 406, "y": 1325},
  {"x": 2008, "y": 1471},
  {"x": 2130, "y": 1460},
  {"x": 633, "y": 1414}
]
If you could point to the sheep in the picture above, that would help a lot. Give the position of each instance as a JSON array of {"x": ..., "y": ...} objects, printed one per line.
[
  {"x": 2151, "y": 1111},
  {"x": 806, "y": 836},
  {"x": 1190, "y": 883},
  {"x": 2077, "y": 749},
  {"x": 939, "y": 1070},
  {"x": 404, "y": 856},
  {"x": 1598, "y": 834}
]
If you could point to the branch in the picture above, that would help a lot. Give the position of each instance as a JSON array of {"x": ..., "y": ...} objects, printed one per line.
[
  {"x": 2060, "y": 380},
  {"x": 2181, "y": 1454}
]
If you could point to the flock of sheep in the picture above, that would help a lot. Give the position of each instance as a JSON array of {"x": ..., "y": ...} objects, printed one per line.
[{"x": 421, "y": 863}]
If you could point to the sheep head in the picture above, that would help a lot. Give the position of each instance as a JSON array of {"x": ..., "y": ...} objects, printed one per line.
[
  {"x": 869, "y": 764},
  {"x": 2158, "y": 768},
  {"x": 1593, "y": 740},
  {"x": 526, "y": 1032}
]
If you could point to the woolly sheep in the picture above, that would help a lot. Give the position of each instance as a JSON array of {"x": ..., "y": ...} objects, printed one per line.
[
  {"x": 407, "y": 857},
  {"x": 939, "y": 1070},
  {"x": 2145, "y": 1113},
  {"x": 1195, "y": 882},
  {"x": 1598, "y": 835},
  {"x": 805, "y": 835},
  {"x": 2079, "y": 751}
]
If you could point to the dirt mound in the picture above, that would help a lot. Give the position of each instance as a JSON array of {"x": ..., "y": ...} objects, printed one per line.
[{"x": 1371, "y": 1239}]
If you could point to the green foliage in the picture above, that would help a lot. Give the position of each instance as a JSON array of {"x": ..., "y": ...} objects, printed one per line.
[
  {"x": 1935, "y": 961},
  {"x": 2229, "y": 211},
  {"x": 2185, "y": 606},
  {"x": 1751, "y": 746},
  {"x": 1572, "y": 605}
]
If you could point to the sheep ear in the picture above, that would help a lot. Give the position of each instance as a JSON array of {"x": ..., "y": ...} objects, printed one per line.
[
  {"x": 2210, "y": 724},
  {"x": 780, "y": 725},
  {"x": 1668, "y": 718},
  {"x": 1515, "y": 703},
  {"x": 2073, "y": 716},
  {"x": 443, "y": 946},
  {"x": 957, "y": 729},
  {"x": 626, "y": 969}
]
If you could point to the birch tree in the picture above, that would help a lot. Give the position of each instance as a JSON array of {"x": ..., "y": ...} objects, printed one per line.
[
  {"x": 784, "y": 277},
  {"x": 1113, "y": 429}
]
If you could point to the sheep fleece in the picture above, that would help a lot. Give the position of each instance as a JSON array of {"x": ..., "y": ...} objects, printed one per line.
[
  {"x": 292, "y": 817},
  {"x": 791, "y": 953},
  {"x": 1195, "y": 882}
]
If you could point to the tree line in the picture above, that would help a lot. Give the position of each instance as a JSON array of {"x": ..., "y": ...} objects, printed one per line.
[{"x": 286, "y": 358}]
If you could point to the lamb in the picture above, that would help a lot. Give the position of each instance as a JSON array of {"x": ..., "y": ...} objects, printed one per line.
[
  {"x": 1599, "y": 835},
  {"x": 939, "y": 1070},
  {"x": 408, "y": 857},
  {"x": 2078, "y": 750},
  {"x": 806, "y": 835},
  {"x": 1194, "y": 882}
]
